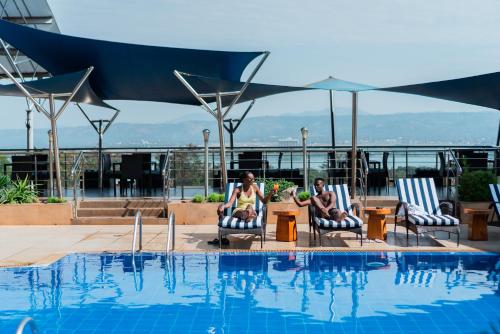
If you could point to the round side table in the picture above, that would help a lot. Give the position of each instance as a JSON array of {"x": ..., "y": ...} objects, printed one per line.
[
  {"x": 286, "y": 226},
  {"x": 377, "y": 228}
]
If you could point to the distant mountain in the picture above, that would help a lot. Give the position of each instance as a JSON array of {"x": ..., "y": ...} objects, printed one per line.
[{"x": 432, "y": 128}]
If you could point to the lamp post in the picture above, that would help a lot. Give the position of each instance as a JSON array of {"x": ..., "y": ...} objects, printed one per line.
[
  {"x": 206, "y": 135},
  {"x": 304, "y": 132}
]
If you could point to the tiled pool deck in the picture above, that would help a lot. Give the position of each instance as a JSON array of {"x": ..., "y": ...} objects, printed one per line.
[{"x": 41, "y": 245}]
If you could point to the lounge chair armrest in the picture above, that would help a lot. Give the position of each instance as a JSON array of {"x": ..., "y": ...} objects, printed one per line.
[
  {"x": 356, "y": 209},
  {"x": 446, "y": 207},
  {"x": 400, "y": 205}
]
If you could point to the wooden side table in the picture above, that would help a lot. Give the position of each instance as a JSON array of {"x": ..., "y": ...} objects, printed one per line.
[
  {"x": 478, "y": 228},
  {"x": 377, "y": 228},
  {"x": 286, "y": 226}
]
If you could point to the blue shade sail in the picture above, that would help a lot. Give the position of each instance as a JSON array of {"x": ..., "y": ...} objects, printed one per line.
[
  {"x": 125, "y": 71},
  {"x": 60, "y": 84},
  {"x": 480, "y": 90},
  {"x": 206, "y": 85}
]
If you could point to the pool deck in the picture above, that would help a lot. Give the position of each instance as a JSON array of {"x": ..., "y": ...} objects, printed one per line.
[{"x": 42, "y": 245}]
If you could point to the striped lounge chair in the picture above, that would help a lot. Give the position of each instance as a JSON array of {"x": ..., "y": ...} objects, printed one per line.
[
  {"x": 495, "y": 200},
  {"x": 351, "y": 223},
  {"x": 421, "y": 194},
  {"x": 230, "y": 225}
]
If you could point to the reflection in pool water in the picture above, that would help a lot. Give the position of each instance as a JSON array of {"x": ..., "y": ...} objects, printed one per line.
[{"x": 256, "y": 293}]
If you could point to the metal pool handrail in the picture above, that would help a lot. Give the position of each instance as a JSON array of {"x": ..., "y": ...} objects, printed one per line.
[
  {"x": 165, "y": 172},
  {"x": 138, "y": 221},
  {"x": 27, "y": 321},
  {"x": 76, "y": 170},
  {"x": 171, "y": 233}
]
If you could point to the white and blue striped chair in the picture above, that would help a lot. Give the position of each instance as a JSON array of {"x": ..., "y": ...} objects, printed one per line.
[
  {"x": 495, "y": 200},
  {"x": 351, "y": 223},
  {"x": 231, "y": 225},
  {"x": 421, "y": 193}
]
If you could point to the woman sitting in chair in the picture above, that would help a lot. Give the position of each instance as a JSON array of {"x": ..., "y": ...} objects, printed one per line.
[{"x": 246, "y": 195}]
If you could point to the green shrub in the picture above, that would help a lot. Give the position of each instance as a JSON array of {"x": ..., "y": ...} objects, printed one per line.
[
  {"x": 473, "y": 186},
  {"x": 20, "y": 191},
  {"x": 269, "y": 184},
  {"x": 304, "y": 195},
  {"x": 222, "y": 197},
  {"x": 215, "y": 198},
  {"x": 56, "y": 200},
  {"x": 5, "y": 181},
  {"x": 198, "y": 198}
]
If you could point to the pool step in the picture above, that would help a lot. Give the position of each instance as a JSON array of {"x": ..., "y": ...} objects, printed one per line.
[
  {"x": 118, "y": 221},
  {"x": 119, "y": 212}
]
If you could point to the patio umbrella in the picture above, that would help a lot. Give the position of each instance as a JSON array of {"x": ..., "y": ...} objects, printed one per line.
[{"x": 333, "y": 84}]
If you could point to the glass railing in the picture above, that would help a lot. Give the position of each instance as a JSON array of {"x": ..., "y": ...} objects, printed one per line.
[{"x": 137, "y": 171}]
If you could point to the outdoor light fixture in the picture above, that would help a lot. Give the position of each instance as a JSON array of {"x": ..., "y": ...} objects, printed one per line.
[
  {"x": 304, "y": 132},
  {"x": 206, "y": 135}
]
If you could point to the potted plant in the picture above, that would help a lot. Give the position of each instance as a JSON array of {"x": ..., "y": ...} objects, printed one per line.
[{"x": 474, "y": 192}]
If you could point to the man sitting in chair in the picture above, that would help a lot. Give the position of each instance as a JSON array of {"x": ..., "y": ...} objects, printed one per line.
[{"x": 324, "y": 202}]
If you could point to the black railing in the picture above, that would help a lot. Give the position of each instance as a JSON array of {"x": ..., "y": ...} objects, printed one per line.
[{"x": 137, "y": 171}]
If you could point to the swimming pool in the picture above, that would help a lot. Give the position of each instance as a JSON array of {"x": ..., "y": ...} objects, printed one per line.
[{"x": 256, "y": 293}]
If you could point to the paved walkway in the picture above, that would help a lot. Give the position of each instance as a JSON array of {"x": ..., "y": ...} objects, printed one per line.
[{"x": 42, "y": 245}]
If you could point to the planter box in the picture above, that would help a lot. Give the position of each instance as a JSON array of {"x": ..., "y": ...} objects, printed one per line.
[
  {"x": 467, "y": 219},
  {"x": 188, "y": 213},
  {"x": 35, "y": 214}
]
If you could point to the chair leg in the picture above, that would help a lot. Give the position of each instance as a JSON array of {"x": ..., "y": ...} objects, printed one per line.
[
  {"x": 417, "y": 237},
  {"x": 361, "y": 237},
  {"x": 220, "y": 240},
  {"x": 408, "y": 237},
  {"x": 319, "y": 237},
  {"x": 458, "y": 236}
]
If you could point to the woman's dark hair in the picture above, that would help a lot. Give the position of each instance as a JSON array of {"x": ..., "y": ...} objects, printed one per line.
[{"x": 244, "y": 175}]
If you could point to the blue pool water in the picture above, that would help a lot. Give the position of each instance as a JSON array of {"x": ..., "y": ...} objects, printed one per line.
[{"x": 257, "y": 293}]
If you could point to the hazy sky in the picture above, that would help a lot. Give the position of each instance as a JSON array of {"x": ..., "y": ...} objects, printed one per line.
[{"x": 382, "y": 43}]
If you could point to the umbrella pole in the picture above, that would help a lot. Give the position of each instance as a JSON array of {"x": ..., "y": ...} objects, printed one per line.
[
  {"x": 354, "y": 143},
  {"x": 332, "y": 118}
]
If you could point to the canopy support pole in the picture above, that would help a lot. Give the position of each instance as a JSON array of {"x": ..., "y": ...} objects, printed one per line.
[
  {"x": 98, "y": 125},
  {"x": 232, "y": 129},
  {"x": 29, "y": 110},
  {"x": 29, "y": 129},
  {"x": 220, "y": 125},
  {"x": 354, "y": 152},
  {"x": 52, "y": 114},
  {"x": 218, "y": 113}
]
